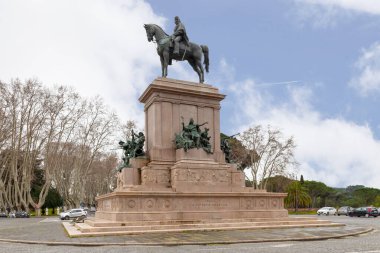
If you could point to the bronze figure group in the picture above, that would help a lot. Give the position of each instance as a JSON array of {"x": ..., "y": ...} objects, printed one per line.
[
  {"x": 192, "y": 136},
  {"x": 132, "y": 148}
]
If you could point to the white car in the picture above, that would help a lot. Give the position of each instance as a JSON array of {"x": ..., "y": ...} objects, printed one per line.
[
  {"x": 73, "y": 213},
  {"x": 327, "y": 211}
]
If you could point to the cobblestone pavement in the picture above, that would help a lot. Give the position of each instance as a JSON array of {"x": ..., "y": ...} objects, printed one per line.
[{"x": 50, "y": 231}]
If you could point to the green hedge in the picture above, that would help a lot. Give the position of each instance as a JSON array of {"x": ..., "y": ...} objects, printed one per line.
[
  {"x": 50, "y": 212},
  {"x": 303, "y": 212}
]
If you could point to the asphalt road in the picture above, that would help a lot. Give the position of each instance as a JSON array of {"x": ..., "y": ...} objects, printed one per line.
[{"x": 366, "y": 243}]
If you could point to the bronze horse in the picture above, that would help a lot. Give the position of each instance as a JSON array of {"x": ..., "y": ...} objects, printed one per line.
[{"x": 192, "y": 53}]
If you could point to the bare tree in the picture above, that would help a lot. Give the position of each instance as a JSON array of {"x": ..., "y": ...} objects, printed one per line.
[
  {"x": 35, "y": 118},
  {"x": 54, "y": 130},
  {"x": 4, "y": 137},
  {"x": 102, "y": 177},
  {"x": 92, "y": 136},
  {"x": 64, "y": 109},
  {"x": 269, "y": 154},
  {"x": 127, "y": 129},
  {"x": 62, "y": 174},
  {"x": 24, "y": 110}
]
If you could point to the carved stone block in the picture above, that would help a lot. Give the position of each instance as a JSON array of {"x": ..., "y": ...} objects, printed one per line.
[{"x": 155, "y": 176}]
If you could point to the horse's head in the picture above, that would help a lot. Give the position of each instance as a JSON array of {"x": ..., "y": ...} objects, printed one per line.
[{"x": 149, "y": 31}]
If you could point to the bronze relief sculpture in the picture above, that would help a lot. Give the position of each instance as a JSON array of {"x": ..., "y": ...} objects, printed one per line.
[{"x": 192, "y": 136}]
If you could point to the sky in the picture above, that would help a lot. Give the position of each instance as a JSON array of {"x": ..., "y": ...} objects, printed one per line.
[{"x": 310, "y": 68}]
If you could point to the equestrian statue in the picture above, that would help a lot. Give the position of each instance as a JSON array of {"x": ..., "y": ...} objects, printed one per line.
[{"x": 177, "y": 47}]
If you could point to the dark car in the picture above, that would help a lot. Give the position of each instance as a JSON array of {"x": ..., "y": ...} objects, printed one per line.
[
  {"x": 22, "y": 214},
  {"x": 3, "y": 215},
  {"x": 364, "y": 211}
]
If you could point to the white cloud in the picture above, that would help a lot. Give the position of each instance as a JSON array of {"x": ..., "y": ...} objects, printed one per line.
[
  {"x": 327, "y": 13},
  {"x": 366, "y": 6},
  {"x": 368, "y": 65},
  {"x": 332, "y": 150},
  {"x": 96, "y": 46},
  {"x": 335, "y": 151}
]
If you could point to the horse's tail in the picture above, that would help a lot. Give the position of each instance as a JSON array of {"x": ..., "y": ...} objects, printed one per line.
[{"x": 206, "y": 61}]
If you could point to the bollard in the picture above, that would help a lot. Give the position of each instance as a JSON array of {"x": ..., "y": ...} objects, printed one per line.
[{"x": 47, "y": 211}]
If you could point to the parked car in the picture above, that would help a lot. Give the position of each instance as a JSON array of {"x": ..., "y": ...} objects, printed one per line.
[
  {"x": 327, "y": 211},
  {"x": 3, "y": 215},
  {"x": 364, "y": 211},
  {"x": 12, "y": 215},
  {"x": 73, "y": 213},
  {"x": 22, "y": 214},
  {"x": 344, "y": 210}
]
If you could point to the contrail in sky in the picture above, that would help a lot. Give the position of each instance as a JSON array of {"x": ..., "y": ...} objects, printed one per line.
[{"x": 286, "y": 82}]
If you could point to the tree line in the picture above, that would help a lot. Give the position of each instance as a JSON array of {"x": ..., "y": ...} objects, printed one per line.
[
  {"x": 52, "y": 139},
  {"x": 314, "y": 194}
]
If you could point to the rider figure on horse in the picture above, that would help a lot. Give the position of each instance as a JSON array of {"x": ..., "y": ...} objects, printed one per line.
[
  {"x": 193, "y": 53},
  {"x": 179, "y": 35}
]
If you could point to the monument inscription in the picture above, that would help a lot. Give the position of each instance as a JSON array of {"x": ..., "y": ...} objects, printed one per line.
[{"x": 206, "y": 204}]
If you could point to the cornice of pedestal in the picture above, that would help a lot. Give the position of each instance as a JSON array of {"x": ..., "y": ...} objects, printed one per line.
[
  {"x": 181, "y": 87},
  {"x": 238, "y": 192}
]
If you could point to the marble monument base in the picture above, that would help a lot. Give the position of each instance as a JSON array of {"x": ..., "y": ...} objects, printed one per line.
[
  {"x": 170, "y": 184},
  {"x": 174, "y": 190},
  {"x": 174, "y": 206}
]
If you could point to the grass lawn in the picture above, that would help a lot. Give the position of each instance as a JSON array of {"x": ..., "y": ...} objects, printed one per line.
[{"x": 313, "y": 212}]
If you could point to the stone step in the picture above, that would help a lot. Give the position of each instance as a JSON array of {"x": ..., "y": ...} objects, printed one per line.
[
  {"x": 86, "y": 228},
  {"x": 76, "y": 231},
  {"x": 107, "y": 223}
]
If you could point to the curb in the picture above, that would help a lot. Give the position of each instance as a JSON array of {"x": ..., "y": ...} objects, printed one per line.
[{"x": 316, "y": 238}]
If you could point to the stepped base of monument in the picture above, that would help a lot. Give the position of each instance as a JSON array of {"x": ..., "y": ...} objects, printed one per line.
[
  {"x": 130, "y": 212},
  {"x": 99, "y": 227},
  {"x": 126, "y": 206}
]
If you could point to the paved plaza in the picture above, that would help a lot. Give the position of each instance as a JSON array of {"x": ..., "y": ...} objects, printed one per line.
[{"x": 50, "y": 231}]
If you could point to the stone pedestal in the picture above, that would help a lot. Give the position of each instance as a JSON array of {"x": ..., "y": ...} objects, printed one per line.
[
  {"x": 197, "y": 171},
  {"x": 176, "y": 185},
  {"x": 131, "y": 176},
  {"x": 168, "y": 103},
  {"x": 174, "y": 206}
]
